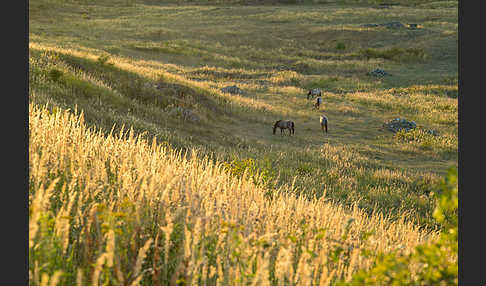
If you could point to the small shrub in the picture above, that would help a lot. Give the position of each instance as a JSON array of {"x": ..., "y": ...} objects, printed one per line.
[
  {"x": 55, "y": 75},
  {"x": 437, "y": 260},
  {"x": 261, "y": 175},
  {"x": 340, "y": 46},
  {"x": 304, "y": 170},
  {"x": 426, "y": 139},
  {"x": 103, "y": 59},
  {"x": 417, "y": 135},
  {"x": 238, "y": 167}
]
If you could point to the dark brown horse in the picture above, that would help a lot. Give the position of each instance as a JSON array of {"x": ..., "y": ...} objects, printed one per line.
[{"x": 284, "y": 124}]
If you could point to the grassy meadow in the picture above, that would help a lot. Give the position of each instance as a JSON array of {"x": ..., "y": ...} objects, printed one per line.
[{"x": 142, "y": 172}]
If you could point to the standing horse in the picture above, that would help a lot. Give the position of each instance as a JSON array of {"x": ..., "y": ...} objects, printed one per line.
[
  {"x": 313, "y": 92},
  {"x": 323, "y": 122},
  {"x": 284, "y": 124}
]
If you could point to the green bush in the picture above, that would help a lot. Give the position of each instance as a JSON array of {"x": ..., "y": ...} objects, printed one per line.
[
  {"x": 340, "y": 46},
  {"x": 437, "y": 261},
  {"x": 261, "y": 172},
  {"x": 426, "y": 139},
  {"x": 55, "y": 75}
]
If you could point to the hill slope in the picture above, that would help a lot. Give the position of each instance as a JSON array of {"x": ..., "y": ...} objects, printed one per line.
[{"x": 101, "y": 207}]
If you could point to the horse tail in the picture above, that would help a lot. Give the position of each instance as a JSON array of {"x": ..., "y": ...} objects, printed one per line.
[
  {"x": 275, "y": 126},
  {"x": 293, "y": 127},
  {"x": 325, "y": 124}
]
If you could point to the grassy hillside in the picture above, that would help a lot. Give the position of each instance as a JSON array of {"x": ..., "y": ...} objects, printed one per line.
[
  {"x": 121, "y": 209},
  {"x": 142, "y": 65},
  {"x": 157, "y": 69}
]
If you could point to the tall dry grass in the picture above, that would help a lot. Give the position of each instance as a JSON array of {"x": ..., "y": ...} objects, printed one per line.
[{"x": 118, "y": 209}]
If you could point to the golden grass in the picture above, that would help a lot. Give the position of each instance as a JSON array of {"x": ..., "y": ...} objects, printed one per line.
[{"x": 118, "y": 207}]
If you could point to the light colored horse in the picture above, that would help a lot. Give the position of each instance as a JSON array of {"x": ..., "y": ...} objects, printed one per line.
[
  {"x": 284, "y": 124},
  {"x": 323, "y": 122},
  {"x": 313, "y": 92}
]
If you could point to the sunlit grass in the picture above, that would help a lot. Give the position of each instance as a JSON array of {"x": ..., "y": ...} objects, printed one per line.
[{"x": 118, "y": 207}]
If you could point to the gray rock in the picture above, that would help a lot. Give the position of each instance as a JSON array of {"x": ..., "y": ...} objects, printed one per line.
[
  {"x": 190, "y": 115},
  {"x": 379, "y": 73},
  {"x": 398, "y": 124},
  {"x": 232, "y": 89},
  {"x": 433, "y": 132},
  {"x": 393, "y": 24}
]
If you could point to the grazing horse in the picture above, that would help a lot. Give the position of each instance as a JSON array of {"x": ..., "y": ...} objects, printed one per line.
[
  {"x": 323, "y": 121},
  {"x": 284, "y": 124},
  {"x": 313, "y": 92}
]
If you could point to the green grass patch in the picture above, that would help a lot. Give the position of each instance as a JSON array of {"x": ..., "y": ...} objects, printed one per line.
[
  {"x": 395, "y": 54},
  {"x": 427, "y": 139}
]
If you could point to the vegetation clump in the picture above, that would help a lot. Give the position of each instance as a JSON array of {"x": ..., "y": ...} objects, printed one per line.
[{"x": 437, "y": 261}]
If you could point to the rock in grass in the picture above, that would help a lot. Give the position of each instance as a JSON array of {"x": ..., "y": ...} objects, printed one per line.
[
  {"x": 393, "y": 25},
  {"x": 379, "y": 73},
  {"x": 398, "y": 124},
  {"x": 433, "y": 132},
  {"x": 184, "y": 113},
  {"x": 232, "y": 89},
  {"x": 190, "y": 115}
]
